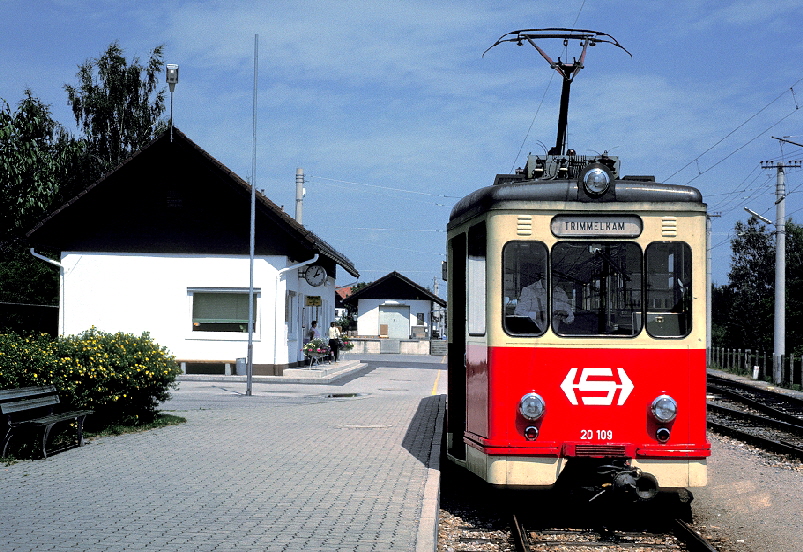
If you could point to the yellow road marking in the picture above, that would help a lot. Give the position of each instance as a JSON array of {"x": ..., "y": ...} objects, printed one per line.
[{"x": 437, "y": 379}]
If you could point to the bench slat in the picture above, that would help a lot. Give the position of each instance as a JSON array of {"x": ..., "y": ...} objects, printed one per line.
[
  {"x": 24, "y": 392},
  {"x": 29, "y": 404},
  {"x": 53, "y": 418}
]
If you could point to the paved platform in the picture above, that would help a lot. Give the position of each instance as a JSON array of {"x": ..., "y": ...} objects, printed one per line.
[{"x": 352, "y": 464}]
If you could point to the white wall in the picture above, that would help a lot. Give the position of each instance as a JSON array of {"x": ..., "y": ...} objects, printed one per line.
[
  {"x": 368, "y": 313},
  {"x": 136, "y": 293}
]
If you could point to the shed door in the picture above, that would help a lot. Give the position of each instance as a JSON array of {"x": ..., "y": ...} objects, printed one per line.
[{"x": 397, "y": 320}]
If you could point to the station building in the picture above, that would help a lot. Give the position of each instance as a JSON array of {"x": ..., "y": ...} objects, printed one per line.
[{"x": 161, "y": 245}]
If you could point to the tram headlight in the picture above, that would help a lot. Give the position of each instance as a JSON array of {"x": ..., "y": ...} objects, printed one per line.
[
  {"x": 532, "y": 406},
  {"x": 664, "y": 408},
  {"x": 596, "y": 179}
]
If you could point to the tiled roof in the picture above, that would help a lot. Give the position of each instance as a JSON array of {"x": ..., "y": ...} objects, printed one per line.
[{"x": 267, "y": 206}]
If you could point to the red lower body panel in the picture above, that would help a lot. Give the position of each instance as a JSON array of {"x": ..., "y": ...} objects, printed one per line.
[{"x": 597, "y": 401}]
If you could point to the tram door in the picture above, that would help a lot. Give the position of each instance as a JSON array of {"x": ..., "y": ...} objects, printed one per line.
[{"x": 456, "y": 381}]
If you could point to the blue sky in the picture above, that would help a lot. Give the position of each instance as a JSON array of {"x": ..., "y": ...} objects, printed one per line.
[{"x": 394, "y": 114}]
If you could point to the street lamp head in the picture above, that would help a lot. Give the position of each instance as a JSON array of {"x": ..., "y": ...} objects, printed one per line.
[
  {"x": 755, "y": 215},
  {"x": 172, "y": 75}
]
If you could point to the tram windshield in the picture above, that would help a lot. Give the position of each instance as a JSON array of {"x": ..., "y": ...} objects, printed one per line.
[
  {"x": 602, "y": 284},
  {"x": 597, "y": 288}
]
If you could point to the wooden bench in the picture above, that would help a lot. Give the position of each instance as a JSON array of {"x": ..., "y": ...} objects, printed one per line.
[{"x": 33, "y": 407}]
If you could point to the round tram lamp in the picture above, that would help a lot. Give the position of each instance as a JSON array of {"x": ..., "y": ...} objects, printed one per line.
[
  {"x": 596, "y": 179},
  {"x": 532, "y": 406}
]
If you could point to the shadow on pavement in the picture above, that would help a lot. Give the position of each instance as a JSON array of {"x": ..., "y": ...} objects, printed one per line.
[{"x": 421, "y": 432}]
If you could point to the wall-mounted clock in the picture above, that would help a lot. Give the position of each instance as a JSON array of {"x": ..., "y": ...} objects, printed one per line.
[{"x": 315, "y": 275}]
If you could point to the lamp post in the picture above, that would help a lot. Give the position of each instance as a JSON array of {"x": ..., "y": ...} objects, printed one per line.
[
  {"x": 779, "y": 314},
  {"x": 172, "y": 80},
  {"x": 249, "y": 366}
]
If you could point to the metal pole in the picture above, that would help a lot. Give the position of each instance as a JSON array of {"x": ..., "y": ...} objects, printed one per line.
[
  {"x": 708, "y": 288},
  {"x": 299, "y": 194},
  {"x": 708, "y": 291},
  {"x": 249, "y": 367},
  {"x": 779, "y": 326}
]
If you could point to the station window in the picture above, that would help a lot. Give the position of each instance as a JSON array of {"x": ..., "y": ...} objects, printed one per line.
[
  {"x": 220, "y": 311},
  {"x": 524, "y": 271},
  {"x": 669, "y": 281},
  {"x": 596, "y": 288}
]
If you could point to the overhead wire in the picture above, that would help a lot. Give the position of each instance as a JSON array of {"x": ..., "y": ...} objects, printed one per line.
[
  {"x": 329, "y": 181},
  {"x": 756, "y": 114}
]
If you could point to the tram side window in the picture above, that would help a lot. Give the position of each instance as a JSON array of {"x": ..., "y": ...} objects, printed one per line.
[
  {"x": 524, "y": 272},
  {"x": 668, "y": 266},
  {"x": 596, "y": 288},
  {"x": 476, "y": 279}
]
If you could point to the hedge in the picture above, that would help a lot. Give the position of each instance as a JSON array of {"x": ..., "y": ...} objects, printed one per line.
[{"x": 120, "y": 376}]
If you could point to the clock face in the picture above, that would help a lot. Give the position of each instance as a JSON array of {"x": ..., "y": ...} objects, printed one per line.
[{"x": 315, "y": 275}]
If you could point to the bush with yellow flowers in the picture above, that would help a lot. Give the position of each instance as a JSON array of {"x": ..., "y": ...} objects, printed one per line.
[{"x": 120, "y": 376}]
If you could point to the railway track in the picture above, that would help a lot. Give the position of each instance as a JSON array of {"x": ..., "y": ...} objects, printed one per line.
[
  {"x": 762, "y": 418},
  {"x": 680, "y": 536}
]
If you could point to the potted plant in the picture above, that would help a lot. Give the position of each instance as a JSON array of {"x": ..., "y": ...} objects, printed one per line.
[{"x": 315, "y": 350}]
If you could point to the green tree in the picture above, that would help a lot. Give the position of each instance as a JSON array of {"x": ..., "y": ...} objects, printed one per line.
[
  {"x": 117, "y": 106},
  {"x": 749, "y": 298},
  {"x": 794, "y": 288},
  {"x": 36, "y": 156}
]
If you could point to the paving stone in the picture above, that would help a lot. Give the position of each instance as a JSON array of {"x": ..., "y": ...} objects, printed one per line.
[{"x": 283, "y": 469}]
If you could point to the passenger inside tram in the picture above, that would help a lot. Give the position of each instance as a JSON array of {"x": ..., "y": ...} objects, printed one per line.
[{"x": 533, "y": 301}]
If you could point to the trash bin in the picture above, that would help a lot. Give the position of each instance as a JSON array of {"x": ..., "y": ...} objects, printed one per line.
[{"x": 241, "y": 366}]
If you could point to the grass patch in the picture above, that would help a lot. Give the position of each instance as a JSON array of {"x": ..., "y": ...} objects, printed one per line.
[
  {"x": 161, "y": 420},
  {"x": 25, "y": 446}
]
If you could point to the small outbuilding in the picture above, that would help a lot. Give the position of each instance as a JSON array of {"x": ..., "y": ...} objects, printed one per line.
[{"x": 396, "y": 308}]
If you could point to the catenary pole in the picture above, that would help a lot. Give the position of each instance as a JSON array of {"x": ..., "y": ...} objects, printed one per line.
[
  {"x": 779, "y": 320},
  {"x": 779, "y": 314}
]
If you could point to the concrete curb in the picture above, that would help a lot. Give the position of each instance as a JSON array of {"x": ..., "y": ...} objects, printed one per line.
[
  {"x": 324, "y": 376},
  {"x": 427, "y": 538}
]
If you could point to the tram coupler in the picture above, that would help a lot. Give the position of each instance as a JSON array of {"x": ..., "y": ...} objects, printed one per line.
[
  {"x": 610, "y": 477},
  {"x": 636, "y": 484}
]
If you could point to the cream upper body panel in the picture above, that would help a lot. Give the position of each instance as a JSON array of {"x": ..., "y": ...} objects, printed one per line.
[{"x": 533, "y": 221}]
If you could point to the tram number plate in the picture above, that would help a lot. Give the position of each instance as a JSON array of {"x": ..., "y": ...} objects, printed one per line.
[{"x": 602, "y": 434}]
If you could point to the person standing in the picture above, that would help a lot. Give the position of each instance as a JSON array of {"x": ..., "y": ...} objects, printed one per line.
[
  {"x": 334, "y": 340},
  {"x": 313, "y": 332}
]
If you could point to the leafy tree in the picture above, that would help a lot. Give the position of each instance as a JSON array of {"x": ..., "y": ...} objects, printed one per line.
[
  {"x": 117, "y": 105},
  {"x": 748, "y": 302},
  {"x": 36, "y": 156},
  {"x": 794, "y": 288}
]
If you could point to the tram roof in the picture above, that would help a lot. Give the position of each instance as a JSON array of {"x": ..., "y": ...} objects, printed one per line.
[{"x": 623, "y": 191}]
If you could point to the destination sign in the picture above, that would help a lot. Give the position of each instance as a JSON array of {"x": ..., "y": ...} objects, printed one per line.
[{"x": 596, "y": 226}]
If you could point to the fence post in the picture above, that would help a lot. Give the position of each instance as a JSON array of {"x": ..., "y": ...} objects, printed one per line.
[{"x": 788, "y": 372}]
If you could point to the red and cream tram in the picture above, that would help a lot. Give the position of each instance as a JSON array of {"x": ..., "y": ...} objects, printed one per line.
[{"x": 577, "y": 332}]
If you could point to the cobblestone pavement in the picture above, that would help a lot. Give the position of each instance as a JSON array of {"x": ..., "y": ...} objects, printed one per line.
[{"x": 287, "y": 468}]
